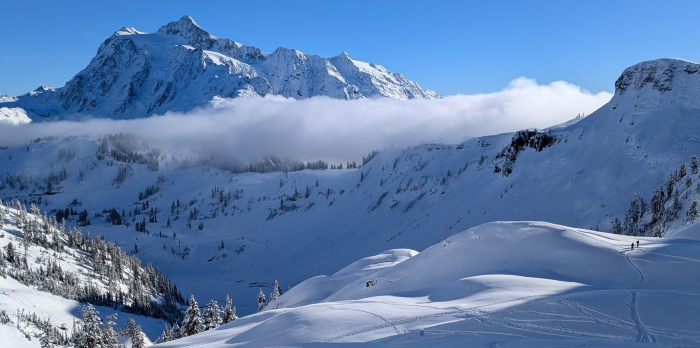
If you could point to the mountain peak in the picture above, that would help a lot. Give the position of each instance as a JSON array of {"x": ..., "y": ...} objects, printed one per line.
[
  {"x": 188, "y": 29},
  {"x": 660, "y": 82},
  {"x": 660, "y": 73}
]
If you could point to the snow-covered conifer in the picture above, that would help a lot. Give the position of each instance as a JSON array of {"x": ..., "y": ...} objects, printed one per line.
[
  {"x": 692, "y": 213},
  {"x": 109, "y": 337},
  {"x": 276, "y": 292},
  {"x": 192, "y": 323},
  {"x": 137, "y": 338},
  {"x": 89, "y": 334},
  {"x": 261, "y": 301},
  {"x": 229, "y": 312},
  {"x": 617, "y": 226},
  {"x": 212, "y": 315},
  {"x": 165, "y": 336}
]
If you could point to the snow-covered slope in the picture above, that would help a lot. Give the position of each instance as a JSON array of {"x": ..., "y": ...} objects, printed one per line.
[
  {"x": 13, "y": 116},
  {"x": 47, "y": 274},
  {"x": 503, "y": 284},
  {"x": 291, "y": 226},
  {"x": 181, "y": 66}
]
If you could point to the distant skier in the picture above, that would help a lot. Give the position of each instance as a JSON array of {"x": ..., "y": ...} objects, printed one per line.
[
  {"x": 632, "y": 248},
  {"x": 637, "y": 243}
]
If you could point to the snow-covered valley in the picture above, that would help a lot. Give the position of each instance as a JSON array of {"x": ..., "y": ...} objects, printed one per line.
[{"x": 342, "y": 240}]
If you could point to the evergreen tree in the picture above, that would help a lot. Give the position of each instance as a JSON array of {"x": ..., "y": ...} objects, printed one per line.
[
  {"x": 694, "y": 164},
  {"x": 657, "y": 202},
  {"x": 137, "y": 338},
  {"x": 47, "y": 339},
  {"x": 10, "y": 252},
  {"x": 631, "y": 218},
  {"x": 109, "y": 337},
  {"x": 175, "y": 332},
  {"x": 130, "y": 327},
  {"x": 261, "y": 301},
  {"x": 617, "y": 226},
  {"x": 212, "y": 315},
  {"x": 165, "y": 336},
  {"x": 192, "y": 323},
  {"x": 692, "y": 213},
  {"x": 229, "y": 312},
  {"x": 89, "y": 334},
  {"x": 276, "y": 291}
]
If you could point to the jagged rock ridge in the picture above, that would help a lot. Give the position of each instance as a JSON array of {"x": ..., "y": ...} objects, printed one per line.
[{"x": 182, "y": 66}]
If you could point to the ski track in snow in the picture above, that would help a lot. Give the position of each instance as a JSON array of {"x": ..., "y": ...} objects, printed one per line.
[
  {"x": 384, "y": 319},
  {"x": 639, "y": 269},
  {"x": 589, "y": 313},
  {"x": 643, "y": 334},
  {"x": 628, "y": 253},
  {"x": 676, "y": 257}
]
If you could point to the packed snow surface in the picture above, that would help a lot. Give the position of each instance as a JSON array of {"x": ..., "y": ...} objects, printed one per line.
[{"x": 504, "y": 284}]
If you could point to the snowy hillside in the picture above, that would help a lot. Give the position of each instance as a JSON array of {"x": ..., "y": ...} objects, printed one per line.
[
  {"x": 48, "y": 274},
  {"x": 517, "y": 284},
  {"x": 218, "y": 230},
  {"x": 181, "y": 67}
]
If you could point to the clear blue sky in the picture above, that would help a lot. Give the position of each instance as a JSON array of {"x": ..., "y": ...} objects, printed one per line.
[{"x": 449, "y": 46}]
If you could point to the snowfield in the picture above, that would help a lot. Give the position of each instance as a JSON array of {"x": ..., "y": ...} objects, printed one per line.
[{"x": 504, "y": 284}]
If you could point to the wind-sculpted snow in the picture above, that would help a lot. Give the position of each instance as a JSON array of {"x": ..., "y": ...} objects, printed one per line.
[{"x": 505, "y": 284}]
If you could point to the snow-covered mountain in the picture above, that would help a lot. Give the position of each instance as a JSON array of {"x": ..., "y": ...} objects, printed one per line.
[
  {"x": 182, "y": 66},
  {"x": 218, "y": 231}
]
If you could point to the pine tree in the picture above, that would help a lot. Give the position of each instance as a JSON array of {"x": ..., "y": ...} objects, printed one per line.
[
  {"x": 47, "y": 339},
  {"x": 192, "y": 323},
  {"x": 229, "y": 312},
  {"x": 631, "y": 218},
  {"x": 137, "y": 338},
  {"x": 165, "y": 336},
  {"x": 109, "y": 337},
  {"x": 658, "y": 200},
  {"x": 212, "y": 315},
  {"x": 617, "y": 226},
  {"x": 694, "y": 164},
  {"x": 692, "y": 213},
  {"x": 89, "y": 334},
  {"x": 276, "y": 292},
  {"x": 261, "y": 301},
  {"x": 175, "y": 332},
  {"x": 130, "y": 327}
]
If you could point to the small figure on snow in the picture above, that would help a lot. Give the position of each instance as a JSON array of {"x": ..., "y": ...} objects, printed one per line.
[
  {"x": 632, "y": 248},
  {"x": 637, "y": 243}
]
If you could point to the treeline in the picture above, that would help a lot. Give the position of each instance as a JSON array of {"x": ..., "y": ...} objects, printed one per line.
[{"x": 652, "y": 218}]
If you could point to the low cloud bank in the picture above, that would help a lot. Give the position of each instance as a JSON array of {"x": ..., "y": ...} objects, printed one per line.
[{"x": 337, "y": 130}]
